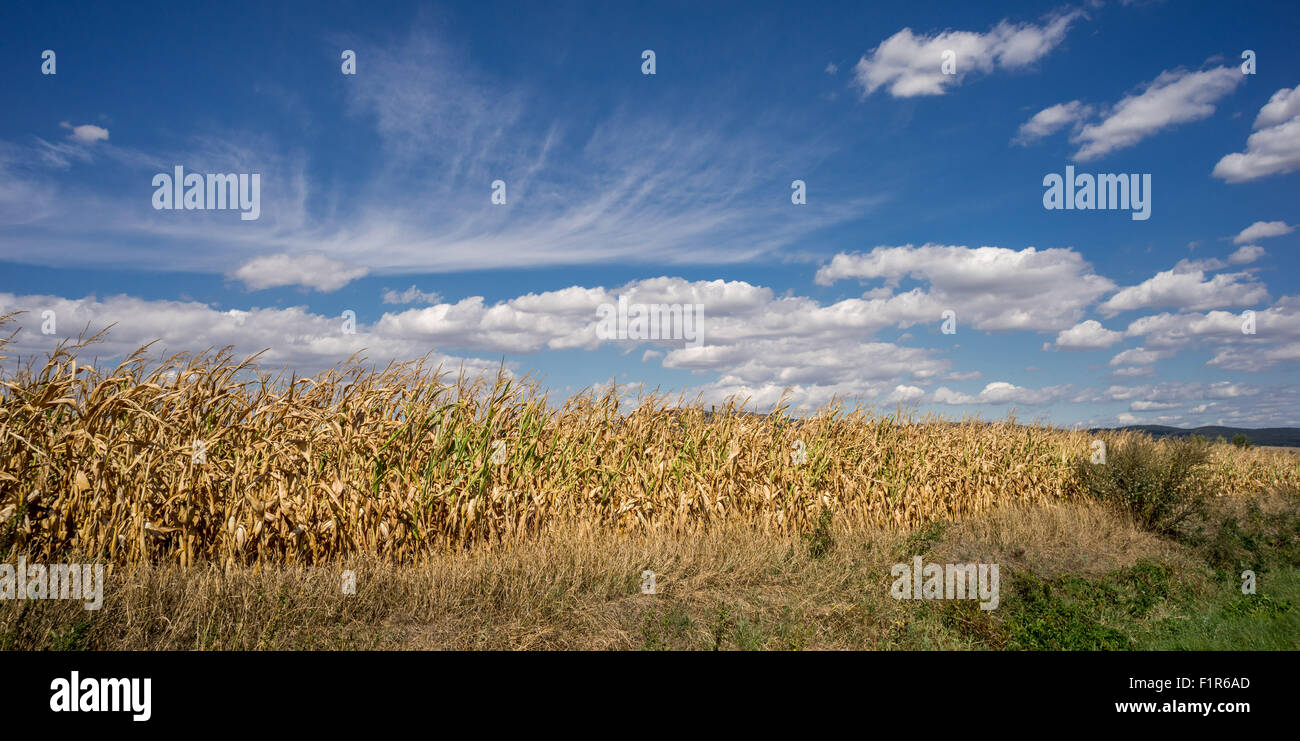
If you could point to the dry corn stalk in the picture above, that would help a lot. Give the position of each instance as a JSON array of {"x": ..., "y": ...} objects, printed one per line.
[{"x": 403, "y": 462}]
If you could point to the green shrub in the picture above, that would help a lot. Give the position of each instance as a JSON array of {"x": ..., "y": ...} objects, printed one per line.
[
  {"x": 1044, "y": 615},
  {"x": 1232, "y": 539},
  {"x": 819, "y": 540},
  {"x": 1257, "y": 606},
  {"x": 1159, "y": 483},
  {"x": 1241, "y": 441},
  {"x": 920, "y": 541}
]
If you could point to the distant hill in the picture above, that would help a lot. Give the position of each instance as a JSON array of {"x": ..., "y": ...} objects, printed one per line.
[{"x": 1284, "y": 436}]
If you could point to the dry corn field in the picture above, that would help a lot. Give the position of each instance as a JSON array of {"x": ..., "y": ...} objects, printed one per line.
[{"x": 205, "y": 459}]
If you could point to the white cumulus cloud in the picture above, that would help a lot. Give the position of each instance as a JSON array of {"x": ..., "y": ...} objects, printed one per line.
[
  {"x": 1188, "y": 290},
  {"x": 1274, "y": 148},
  {"x": 86, "y": 133},
  {"x": 1262, "y": 230},
  {"x": 1174, "y": 97},
  {"x": 1051, "y": 120},
  {"x": 1087, "y": 335},
  {"x": 988, "y": 287},
  {"x": 310, "y": 270},
  {"x": 909, "y": 64}
]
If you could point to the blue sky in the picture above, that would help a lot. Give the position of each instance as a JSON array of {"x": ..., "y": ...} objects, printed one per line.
[{"x": 924, "y": 194}]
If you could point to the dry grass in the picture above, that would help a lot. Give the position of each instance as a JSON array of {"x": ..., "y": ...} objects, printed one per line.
[
  {"x": 1081, "y": 538},
  {"x": 734, "y": 588},
  {"x": 396, "y": 464}
]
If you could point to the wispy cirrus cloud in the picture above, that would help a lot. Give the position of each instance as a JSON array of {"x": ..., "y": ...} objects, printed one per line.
[{"x": 625, "y": 187}]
